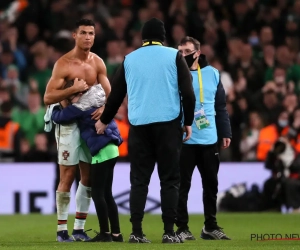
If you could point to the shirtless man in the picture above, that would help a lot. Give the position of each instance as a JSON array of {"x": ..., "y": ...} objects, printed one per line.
[{"x": 87, "y": 69}]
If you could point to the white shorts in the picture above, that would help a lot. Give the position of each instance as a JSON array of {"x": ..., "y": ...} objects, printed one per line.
[{"x": 71, "y": 149}]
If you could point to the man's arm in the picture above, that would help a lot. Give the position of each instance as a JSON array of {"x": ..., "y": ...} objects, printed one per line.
[
  {"x": 103, "y": 80},
  {"x": 222, "y": 117},
  {"x": 185, "y": 84},
  {"x": 66, "y": 115},
  {"x": 102, "y": 76},
  {"x": 54, "y": 92},
  {"x": 116, "y": 97}
]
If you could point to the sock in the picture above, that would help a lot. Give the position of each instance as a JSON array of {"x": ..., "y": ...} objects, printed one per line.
[
  {"x": 83, "y": 200},
  {"x": 62, "y": 204}
]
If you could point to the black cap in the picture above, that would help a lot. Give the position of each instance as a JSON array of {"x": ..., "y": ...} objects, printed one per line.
[{"x": 154, "y": 29}]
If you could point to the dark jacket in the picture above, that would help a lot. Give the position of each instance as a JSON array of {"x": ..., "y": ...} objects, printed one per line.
[
  {"x": 87, "y": 128},
  {"x": 222, "y": 117}
]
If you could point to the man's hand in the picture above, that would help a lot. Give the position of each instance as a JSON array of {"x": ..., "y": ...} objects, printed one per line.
[
  {"x": 188, "y": 132},
  {"x": 97, "y": 113},
  {"x": 100, "y": 127},
  {"x": 80, "y": 85},
  {"x": 226, "y": 143}
]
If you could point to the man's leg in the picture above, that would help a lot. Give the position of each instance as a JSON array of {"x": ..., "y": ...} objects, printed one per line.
[
  {"x": 83, "y": 194},
  {"x": 208, "y": 164},
  {"x": 113, "y": 213},
  {"x": 168, "y": 138},
  {"x": 67, "y": 147},
  {"x": 187, "y": 166},
  {"x": 99, "y": 178},
  {"x": 67, "y": 175},
  {"x": 142, "y": 162}
]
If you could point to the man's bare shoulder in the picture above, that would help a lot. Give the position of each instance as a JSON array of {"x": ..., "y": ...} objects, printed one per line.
[
  {"x": 96, "y": 58},
  {"x": 98, "y": 61},
  {"x": 64, "y": 59}
]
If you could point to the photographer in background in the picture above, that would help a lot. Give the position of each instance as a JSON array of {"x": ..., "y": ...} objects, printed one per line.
[
  {"x": 278, "y": 160},
  {"x": 292, "y": 183},
  {"x": 270, "y": 134},
  {"x": 283, "y": 187}
]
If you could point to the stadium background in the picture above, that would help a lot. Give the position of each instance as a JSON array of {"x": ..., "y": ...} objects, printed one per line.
[{"x": 254, "y": 44}]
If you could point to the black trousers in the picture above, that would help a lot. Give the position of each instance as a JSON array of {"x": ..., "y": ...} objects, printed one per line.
[
  {"x": 107, "y": 210},
  {"x": 206, "y": 158},
  {"x": 148, "y": 144}
]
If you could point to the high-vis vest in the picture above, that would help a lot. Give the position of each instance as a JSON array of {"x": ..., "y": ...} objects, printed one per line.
[
  {"x": 267, "y": 137},
  {"x": 7, "y": 135},
  {"x": 152, "y": 85},
  {"x": 210, "y": 80}
]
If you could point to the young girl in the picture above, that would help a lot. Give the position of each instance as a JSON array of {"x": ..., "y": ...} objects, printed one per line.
[{"x": 104, "y": 150}]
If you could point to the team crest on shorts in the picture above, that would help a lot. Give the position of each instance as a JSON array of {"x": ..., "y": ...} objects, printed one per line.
[{"x": 65, "y": 155}]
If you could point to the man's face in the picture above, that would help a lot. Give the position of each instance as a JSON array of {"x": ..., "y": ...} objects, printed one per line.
[
  {"x": 84, "y": 37},
  {"x": 187, "y": 49}
]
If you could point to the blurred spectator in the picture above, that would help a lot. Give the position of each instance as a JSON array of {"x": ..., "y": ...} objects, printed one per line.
[
  {"x": 269, "y": 103},
  {"x": 270, "y": 134},
  {"x": 32, "y": 120},
  {"x": 290, "y": 103},
  {"x": 9, "y": 135},
  {"x": 4, "y": 94},
  {"x": 178, "y": 33},
  {"x": 225, "y": 76},
  {"x": 40, "y": 73},
  {"x": 39, "y": 151},
  {"x": 11, "y": 52},
  {"x": 17, "y": 90},
  {"x": 114, "y": 57},
  {"x": 248, "y": 144},
  {"x": 251, "y": 69},
  {"x": 285, "y": 62}
]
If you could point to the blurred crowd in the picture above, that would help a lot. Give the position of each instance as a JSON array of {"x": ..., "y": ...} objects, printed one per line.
[{"x": 253, "y": 43}]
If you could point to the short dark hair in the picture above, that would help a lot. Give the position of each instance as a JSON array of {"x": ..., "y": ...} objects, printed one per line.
[
  {"x": 69, "y": 84},
  {"x": 84, "y": 22},
  {"x": 189, "y": 39}
]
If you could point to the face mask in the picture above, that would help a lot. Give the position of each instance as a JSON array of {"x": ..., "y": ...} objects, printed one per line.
[
  {"x": 253, "y": 40},
  {"x": 282, "y": 123},
  {"x": 190, "y": 59}
]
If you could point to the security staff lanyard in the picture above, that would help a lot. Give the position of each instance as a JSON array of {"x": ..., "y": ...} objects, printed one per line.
[
  {"x": 200, "y": 117},
  {"x": 200, "y": 86}
]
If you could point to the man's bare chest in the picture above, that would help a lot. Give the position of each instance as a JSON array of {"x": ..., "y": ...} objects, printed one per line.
[{"x": 85, "y": 71}]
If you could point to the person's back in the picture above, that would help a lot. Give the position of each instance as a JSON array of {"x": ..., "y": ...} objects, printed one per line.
[
  {"x": 152, "y": 97},
  {"x": 157, "y": 80}
]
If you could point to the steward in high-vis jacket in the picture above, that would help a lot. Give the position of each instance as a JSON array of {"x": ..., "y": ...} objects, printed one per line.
[
  {"x": 211, "y": 124},
  {"x": 159, "y": 87}
]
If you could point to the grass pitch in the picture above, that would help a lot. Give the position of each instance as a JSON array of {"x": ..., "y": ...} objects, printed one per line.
[{"x": 39, "y": 232}]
